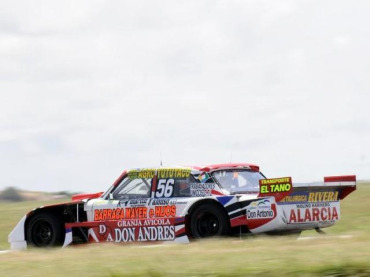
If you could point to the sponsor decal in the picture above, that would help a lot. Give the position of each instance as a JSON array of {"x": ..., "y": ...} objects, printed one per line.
[
  {"x": 312, "y": 197},
  {"x": 201, "y": 190},
  {"x": 134, "y": 213},
  {"x": 203, "y": 177},
  {"x": 165, "y": 202},
  {"x": 134, "y": 202},
  {"x": 163, "y": 173},
  {"x": 275, "y": 185},
  {"x": 260, "y": 210},
  {"x": 317, "y": 212},
  {"x": 137, "y": 230},
  {"x": 166, "y": 173},
  {"x": 163, "y": 211},
  {"x": 295, "y": 198},
  {"x": 325, "y": 196},
  {"x": 145, "y": 173},
  {"x": 159, "y": 202}
]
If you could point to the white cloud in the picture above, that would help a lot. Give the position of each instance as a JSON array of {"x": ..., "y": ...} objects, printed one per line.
[{"x": 88, "y": 88}]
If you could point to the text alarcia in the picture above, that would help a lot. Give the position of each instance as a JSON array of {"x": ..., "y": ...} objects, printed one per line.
[{"x": 313, "y": 214}]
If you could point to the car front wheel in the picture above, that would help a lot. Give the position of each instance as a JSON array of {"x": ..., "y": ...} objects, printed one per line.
[
  {"x": 209, "y": 220},
  {"x": 45, "y": 230}
]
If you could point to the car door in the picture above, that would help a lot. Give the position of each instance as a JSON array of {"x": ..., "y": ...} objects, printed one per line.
[{"x": 119, "y": 216}]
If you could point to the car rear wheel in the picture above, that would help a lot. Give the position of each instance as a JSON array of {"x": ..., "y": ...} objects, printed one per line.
[
  {"x": 45, "y": 230},
  {"x": 209, "y": 220}
]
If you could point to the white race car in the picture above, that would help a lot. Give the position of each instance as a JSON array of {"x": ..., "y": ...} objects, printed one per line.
[{"x": 184, "y": 203}]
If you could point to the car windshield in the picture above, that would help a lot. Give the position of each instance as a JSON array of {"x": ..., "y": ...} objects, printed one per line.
[{"x": 238, "y": 181}]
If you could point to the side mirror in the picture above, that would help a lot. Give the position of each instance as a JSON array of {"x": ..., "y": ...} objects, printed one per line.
[{"x": 110, "y": 196}]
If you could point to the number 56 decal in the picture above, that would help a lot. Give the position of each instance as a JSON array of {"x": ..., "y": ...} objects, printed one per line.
[{"x": 164, "y": 188}]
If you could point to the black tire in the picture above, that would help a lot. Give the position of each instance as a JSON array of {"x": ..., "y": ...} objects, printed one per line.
[
  {"x": 45, "y": 230},
  {"x": 209, "y": 220}
]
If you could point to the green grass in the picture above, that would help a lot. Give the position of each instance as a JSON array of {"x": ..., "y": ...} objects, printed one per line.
[
  {"x": 345, "y": 251},
  {"x": 228, "y": 257}
]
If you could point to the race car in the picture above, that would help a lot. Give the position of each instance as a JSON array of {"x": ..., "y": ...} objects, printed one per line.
[{"x": 181, "y": 204}]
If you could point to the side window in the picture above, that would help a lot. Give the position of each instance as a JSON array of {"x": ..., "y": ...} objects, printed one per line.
[
  {"x": 238, "y": 181},
  {"x": 182, "y": 187},
  {"x": 174, "y": 187},
  {"x": 133, "y": 188}
]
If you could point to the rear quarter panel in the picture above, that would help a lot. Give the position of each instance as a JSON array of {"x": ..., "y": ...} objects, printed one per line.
[{"x": 311, "y": 207}]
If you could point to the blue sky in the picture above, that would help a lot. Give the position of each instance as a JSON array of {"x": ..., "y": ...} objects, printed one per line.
[{"x": 89, "y": 88}]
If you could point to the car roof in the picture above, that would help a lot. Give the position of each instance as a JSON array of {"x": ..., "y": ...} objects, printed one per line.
[
  {"x": 204, "y": 168},
  {"x": 213, "y": 167}
]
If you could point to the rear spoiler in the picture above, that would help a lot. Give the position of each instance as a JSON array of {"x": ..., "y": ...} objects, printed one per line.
[
  {"x": 282, "y": 187},
  {"x": 346, "y": 183}
]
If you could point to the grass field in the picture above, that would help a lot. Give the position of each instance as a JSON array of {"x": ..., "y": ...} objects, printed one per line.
[{"x": 344, "y": 251}]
